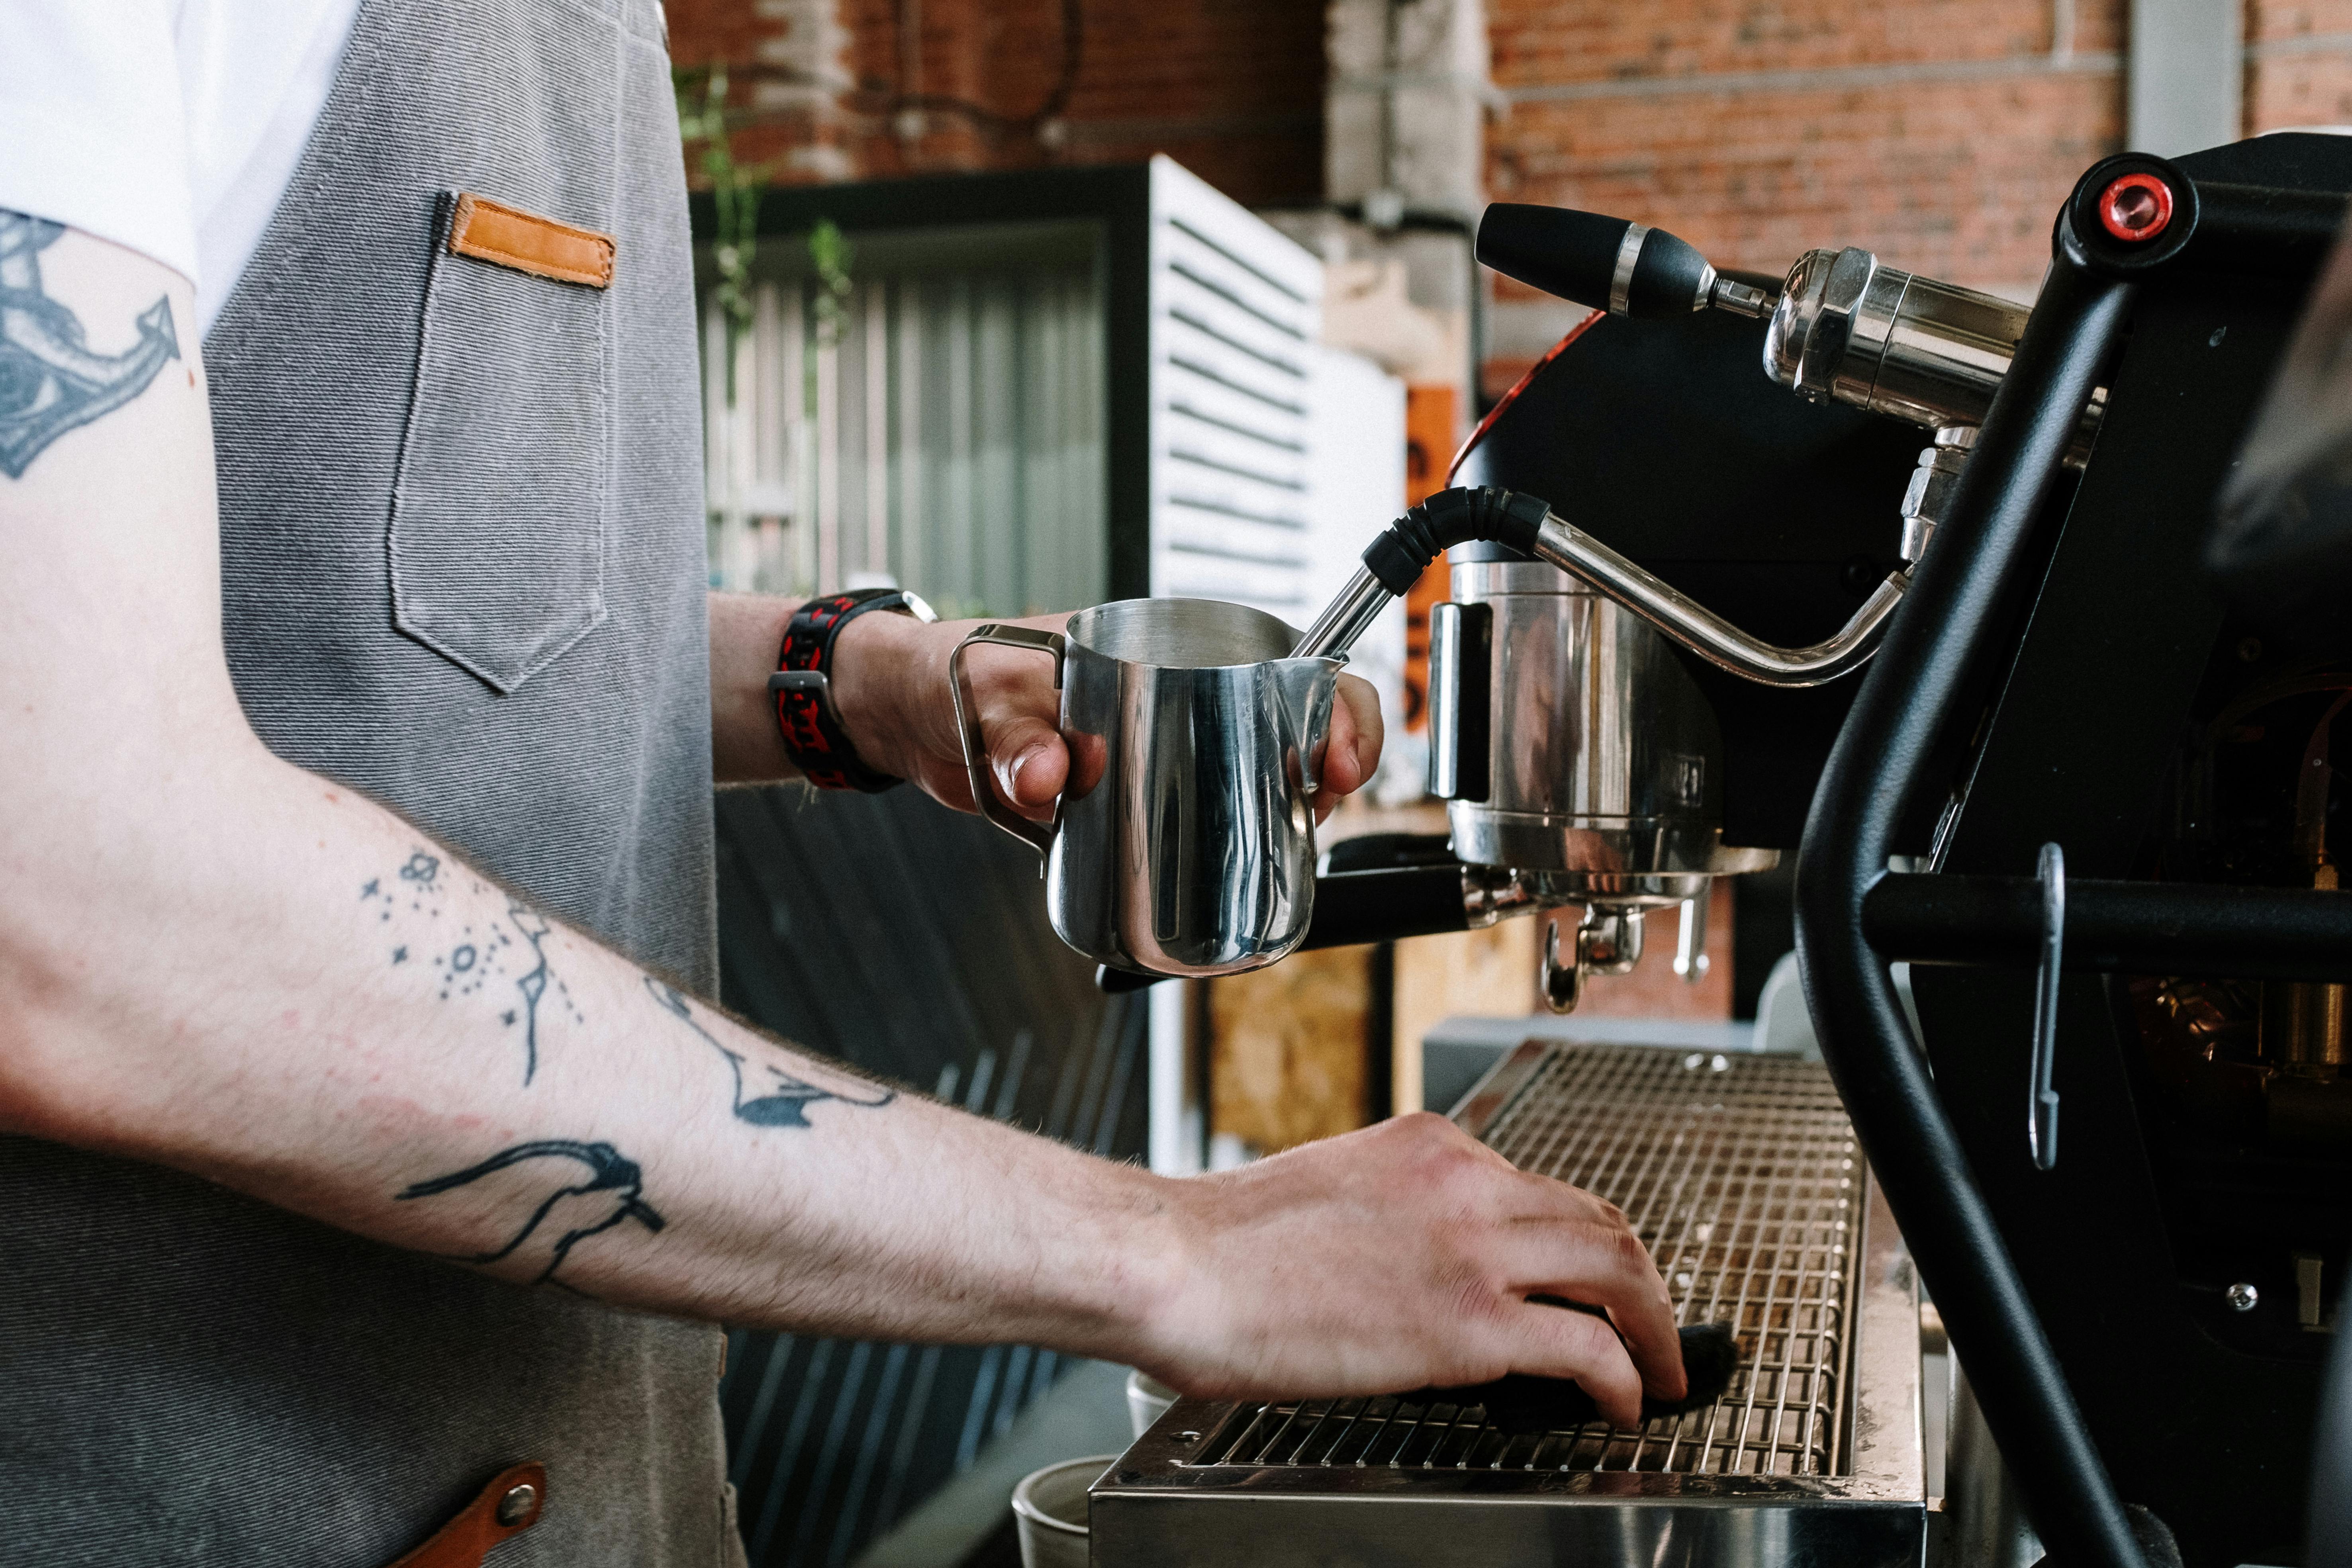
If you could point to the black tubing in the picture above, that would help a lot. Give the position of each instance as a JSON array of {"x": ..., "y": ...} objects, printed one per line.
[
  {"x": 1406, "y": 547},
  {"x": 1907, "y": 697}
]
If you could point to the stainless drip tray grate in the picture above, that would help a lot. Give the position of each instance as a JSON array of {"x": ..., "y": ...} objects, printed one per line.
[
  {"x": 1739, "y": 1174},
  {"x": 1742, "y": 1176}
]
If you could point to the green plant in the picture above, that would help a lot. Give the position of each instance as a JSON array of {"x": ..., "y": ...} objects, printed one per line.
[
  {"x": 830, "y": 252},
  {"x": 735, "y": 191}
]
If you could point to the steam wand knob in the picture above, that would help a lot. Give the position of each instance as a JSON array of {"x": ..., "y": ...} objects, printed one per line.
[{"x": 1609, "y": 263}]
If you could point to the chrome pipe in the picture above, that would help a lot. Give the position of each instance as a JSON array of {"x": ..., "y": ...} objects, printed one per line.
[
  {"x": 1690, "y": 942},
  {"x": 1694, "y": 626},
  {"x": 1345, "y": 619},
  {"x": 1491, "y": 894}
]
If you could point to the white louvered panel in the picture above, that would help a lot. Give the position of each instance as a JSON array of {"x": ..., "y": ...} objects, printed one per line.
[
  {"x": 1216, "y": 444},
  {"x": 1211, "y": 533},
  {"x": 1282, "y": 393},
  {"x": 1232, "y": 490},
  {"x": 1214, "y": 318},
  {"x": 1237, "y": 265},
  {"x": 1240, "y": 399},
  {"x": 1192, "y": 413},
  {"x": 1186, "y": 576},
  {"x": 1243, "y": 354},
  {"x": 1190, "y": 394},
  {"x": 1236, "y": 312},
  {"x": 1207, "y": 488},
  {"x": 1230, "y": 298},
  {"x": 1251, "y": 469}
]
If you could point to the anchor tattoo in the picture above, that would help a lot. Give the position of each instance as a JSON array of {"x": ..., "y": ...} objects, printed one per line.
[
  {"x": 612, "y": 1193},
  {"x": 49, "y": 380},
  {"x": 787, "y": 1098}
]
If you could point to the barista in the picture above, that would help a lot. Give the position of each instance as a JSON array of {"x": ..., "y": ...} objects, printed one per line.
[{"x": 368, "y": 1129}]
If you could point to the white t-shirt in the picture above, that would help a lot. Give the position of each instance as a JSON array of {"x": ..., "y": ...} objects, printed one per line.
[{"x": 168, "y": 126}]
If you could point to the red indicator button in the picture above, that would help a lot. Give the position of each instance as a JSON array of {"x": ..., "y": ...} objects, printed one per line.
[{"x": 2137, "y": 207}]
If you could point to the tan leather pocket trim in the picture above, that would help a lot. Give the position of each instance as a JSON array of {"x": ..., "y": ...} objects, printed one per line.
[
  {"x": 493, "y": 231},
  {"x": 465, "y": 1539}
]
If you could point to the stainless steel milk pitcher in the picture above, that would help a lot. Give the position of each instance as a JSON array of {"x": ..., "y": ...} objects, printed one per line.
[{"x": 1183, "y": 842}]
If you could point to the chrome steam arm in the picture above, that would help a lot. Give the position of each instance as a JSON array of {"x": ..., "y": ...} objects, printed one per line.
[{"x": 1403, "y": 550}]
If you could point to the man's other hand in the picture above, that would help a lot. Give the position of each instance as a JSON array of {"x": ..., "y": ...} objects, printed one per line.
[
  {"x": 893, "y": 691},
  {"x": 1398, "y": 1257}
]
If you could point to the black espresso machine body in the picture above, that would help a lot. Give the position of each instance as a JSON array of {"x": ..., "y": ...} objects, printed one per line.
[
  {"x": 1665, "y": 440},
  {"x": 2112, "y": 798},
  {"x": 2184, "y": 1253}
]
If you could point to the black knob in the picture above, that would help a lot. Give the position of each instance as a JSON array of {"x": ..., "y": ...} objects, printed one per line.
[{"x": 1587, "y": 258}]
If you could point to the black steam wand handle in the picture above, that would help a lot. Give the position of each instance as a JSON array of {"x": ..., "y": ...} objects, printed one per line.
[
  {"x": 1395, "y": 560},
  {"x": 1611, "y": 264}
]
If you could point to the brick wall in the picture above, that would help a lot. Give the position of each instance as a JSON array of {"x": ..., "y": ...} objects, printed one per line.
[
  {"x": 1940, "y": 135},
  {"x": 2298, "y": 64},
  {"x": 1231, "y": 89}
]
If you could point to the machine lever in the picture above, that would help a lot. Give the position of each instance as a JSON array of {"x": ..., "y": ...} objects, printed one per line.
[
  {"x": 1605, "y": 263},
  {"x": 2042, "y": 1114}
]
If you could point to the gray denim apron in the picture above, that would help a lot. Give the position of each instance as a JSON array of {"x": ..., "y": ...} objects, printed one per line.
[{"x": 463, "y": 561}]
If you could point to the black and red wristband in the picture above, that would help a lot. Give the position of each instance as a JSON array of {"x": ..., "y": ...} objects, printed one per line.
[{"x": 814, "y": 738}]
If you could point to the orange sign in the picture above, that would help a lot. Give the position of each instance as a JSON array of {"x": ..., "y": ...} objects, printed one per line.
[{"x": 1429, "y": 437}]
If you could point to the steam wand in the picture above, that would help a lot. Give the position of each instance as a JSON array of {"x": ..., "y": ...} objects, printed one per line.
[{"x": 1397, "y": 558}]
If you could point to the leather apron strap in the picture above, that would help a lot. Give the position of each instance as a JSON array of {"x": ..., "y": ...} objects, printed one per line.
[{"x": 510, "y": 1505}]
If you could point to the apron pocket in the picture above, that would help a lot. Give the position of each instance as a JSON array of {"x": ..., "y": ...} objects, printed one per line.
[{"x": 499, "y": 508}]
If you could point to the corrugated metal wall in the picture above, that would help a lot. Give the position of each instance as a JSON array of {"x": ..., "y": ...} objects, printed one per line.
[{"x": 938, "y": 423}]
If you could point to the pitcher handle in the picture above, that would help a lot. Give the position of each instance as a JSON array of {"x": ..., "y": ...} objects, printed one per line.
[{"x": 1036, "y": 835}]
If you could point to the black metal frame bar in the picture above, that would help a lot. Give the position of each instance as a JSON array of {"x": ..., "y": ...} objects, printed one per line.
[
  {"x": 1909, "y": 697},
  {"x": 2131, "y": 928},
  {"x": 1852, "y": 916}
]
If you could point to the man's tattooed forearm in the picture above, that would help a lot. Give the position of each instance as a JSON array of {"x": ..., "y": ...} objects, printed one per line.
[
  {"x": 612, "y": 1193},
  {"x": 49, "y": 379},
  {"x": 777, "y": 1098},
  {"x": 495, "y": 953}
]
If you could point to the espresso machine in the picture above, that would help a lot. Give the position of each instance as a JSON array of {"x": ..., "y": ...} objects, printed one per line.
[
  {"x": 1589, "y": 706},
  {"x": 1923, "y": 586}
]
